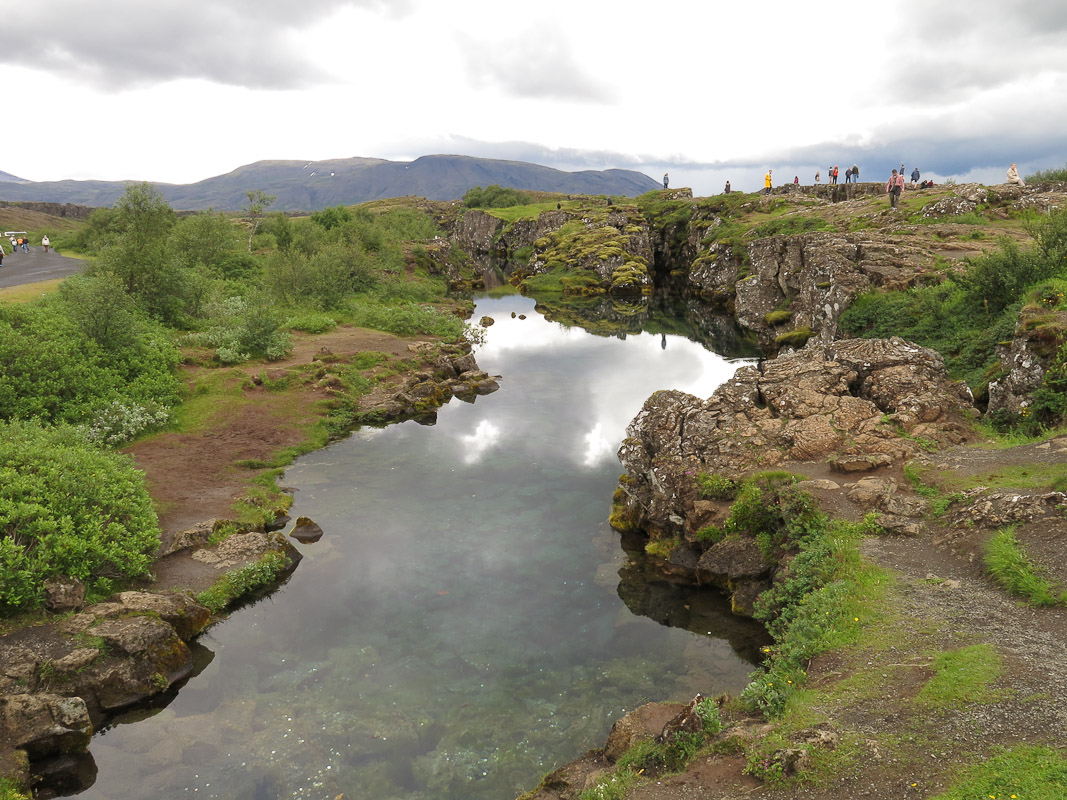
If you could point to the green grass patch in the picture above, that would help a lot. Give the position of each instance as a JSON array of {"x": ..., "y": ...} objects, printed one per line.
[
  {"x": 1021, "y": 773},
  {"x": 243, "y": 581},
  {"x": 962, "y": 676},
  {"x": 1008, "y": 565},
  {"x": 26, "y": 292},
  {"x": 828, "y": 595}
]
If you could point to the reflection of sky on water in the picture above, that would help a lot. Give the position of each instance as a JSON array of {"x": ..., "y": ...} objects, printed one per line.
[
  {"x": 466, "y": 588},
  {"x": 595, "y": 377}
]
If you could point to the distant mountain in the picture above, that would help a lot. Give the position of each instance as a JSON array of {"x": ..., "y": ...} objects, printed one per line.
[
  {"x": 5, "y": 177},
  {"x": 312, "y": 185}
]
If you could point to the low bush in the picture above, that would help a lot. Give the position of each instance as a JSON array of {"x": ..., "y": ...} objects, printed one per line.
[
  {"x": 494, "y": 196},
  {"x": 68, "y": 508}
]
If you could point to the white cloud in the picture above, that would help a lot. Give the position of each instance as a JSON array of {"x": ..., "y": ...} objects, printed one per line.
[{"x": 172, "y": 91}]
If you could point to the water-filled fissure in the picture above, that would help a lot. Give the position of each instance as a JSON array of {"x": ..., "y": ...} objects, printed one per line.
[{"x": 468, "y": 621}]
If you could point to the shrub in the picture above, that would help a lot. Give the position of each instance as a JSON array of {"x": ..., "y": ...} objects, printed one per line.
[
  {"x": 332, "y": 217},
  {"x": 323, "y": 279},
  {"x": 1048, "y": 175},
  {"x": 408, "y": 319},
  {"x": 68, "y": 508},
  {"x": 717, "y": 487},
  {"x": 494, "y": 196},
  {"x": 54, "y": 369},
  {"x": 119, "y": 423},
  {"x": 246, "y": 327}
]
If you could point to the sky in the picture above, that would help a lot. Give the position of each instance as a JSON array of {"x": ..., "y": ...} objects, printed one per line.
[{"x": 175, "y": 91}]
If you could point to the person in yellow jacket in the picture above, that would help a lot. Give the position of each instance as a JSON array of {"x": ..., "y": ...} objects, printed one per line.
[{"x": 767, "y": 182}]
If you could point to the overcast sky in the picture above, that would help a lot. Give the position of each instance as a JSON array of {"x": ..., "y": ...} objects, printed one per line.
[{"x": 181, "y": 90}]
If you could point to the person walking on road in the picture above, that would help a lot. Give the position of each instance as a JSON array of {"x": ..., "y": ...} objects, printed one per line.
[{"x": 45, "y": 243}]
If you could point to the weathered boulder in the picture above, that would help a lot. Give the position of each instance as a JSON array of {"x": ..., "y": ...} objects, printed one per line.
[
  {"x": 44, "y": 724},
  {"x": 642, "y": 724},
  {"x": 62, "y": 593},
  {"x": 871, "y": 401}
]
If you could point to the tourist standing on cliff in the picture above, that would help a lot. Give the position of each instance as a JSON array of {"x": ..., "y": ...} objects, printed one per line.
[
  {"x": 1013, "y": 176},
  {"x": 665, "y": 180},
  {"x": 855, "y": 174},
  {"x": 767, "y": 182},
  {"x": 915, "y": 175},
  {"x": 816, "y": 178},
  {"x": 894, "y": 188},
  {"x": 848, "y": 175},
  {"x": 727, "y": 190}
]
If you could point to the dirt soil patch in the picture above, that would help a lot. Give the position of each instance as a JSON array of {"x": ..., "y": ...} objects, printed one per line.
[{"x": 195, "y": 477}]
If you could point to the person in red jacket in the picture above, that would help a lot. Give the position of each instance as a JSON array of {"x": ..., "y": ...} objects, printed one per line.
[{"x": 894, "y": 188}]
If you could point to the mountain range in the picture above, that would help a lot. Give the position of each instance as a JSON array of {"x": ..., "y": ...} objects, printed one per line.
[{"x": 313, "y": 185}]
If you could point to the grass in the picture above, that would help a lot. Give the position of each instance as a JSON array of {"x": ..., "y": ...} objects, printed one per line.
[
  {"x": 26, "y": 292},
  {"x": 9, "y": 790},
  {"x": 1026, "y": 772},
  {"x": 962, "y": 676},
  {"x": 243, "y": 582},
  {"x": 1008, "y": 565}
]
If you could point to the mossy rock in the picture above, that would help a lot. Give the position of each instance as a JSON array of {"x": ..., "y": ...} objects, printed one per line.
[
  {"x": 778, "y": 317},
  {"x": 797, "y": 338}
]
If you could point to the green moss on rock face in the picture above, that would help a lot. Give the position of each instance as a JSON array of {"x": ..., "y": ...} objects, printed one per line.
[
  {"x": 778, "y": 317},
  {"x": 797, "y": 337}
]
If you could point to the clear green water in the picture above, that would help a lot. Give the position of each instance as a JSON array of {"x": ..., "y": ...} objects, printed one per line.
[{"x": 460, "y": 629}]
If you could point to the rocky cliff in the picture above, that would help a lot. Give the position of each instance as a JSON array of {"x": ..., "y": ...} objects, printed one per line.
[{"x": 855, "y": 405}]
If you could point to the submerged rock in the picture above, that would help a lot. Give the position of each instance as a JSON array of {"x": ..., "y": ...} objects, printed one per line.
[{"x": 306, "y": 531}]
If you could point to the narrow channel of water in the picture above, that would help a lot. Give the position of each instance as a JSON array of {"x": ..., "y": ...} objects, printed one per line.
[{"x": 461, "y": 628}]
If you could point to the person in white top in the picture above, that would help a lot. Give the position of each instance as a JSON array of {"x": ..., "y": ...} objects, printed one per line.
[
  {"x": 45, "y": 243},
  {"x": 1013, "y": 176}
]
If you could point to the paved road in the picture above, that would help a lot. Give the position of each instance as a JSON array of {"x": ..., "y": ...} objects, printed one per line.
[{"x": 36, "y": 265}]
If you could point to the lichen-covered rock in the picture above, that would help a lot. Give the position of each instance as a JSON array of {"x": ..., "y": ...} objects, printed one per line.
[
  {"x": 872, "y": 401},
  {"x": 997, "y": 509},
  {"x": 1026, "y": 359},
  {"x": 610, "y": 248},
  {"x": 44, "y": 724},
  {"x": 815, "y": 276},
  {"x": 62, "y": 594}
]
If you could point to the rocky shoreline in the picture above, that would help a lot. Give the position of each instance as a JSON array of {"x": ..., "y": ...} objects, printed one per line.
[
  {"x": 65, "y": 676},
  {"x": 844, "y": 416}
]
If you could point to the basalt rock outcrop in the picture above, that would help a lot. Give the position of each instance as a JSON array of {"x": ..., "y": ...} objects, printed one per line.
[
  {"x": 606, "y": 246},
  {"x": 1026, "y": 358},
  {"x": 856, "y": 404},
  {"x": 610, "y": 250},
  {"x": 60, "y": 681},
  {"x": 803, "y": 283}
]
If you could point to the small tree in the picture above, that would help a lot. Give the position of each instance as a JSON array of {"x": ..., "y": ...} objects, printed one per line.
[{"x": 258, "y": 202}]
